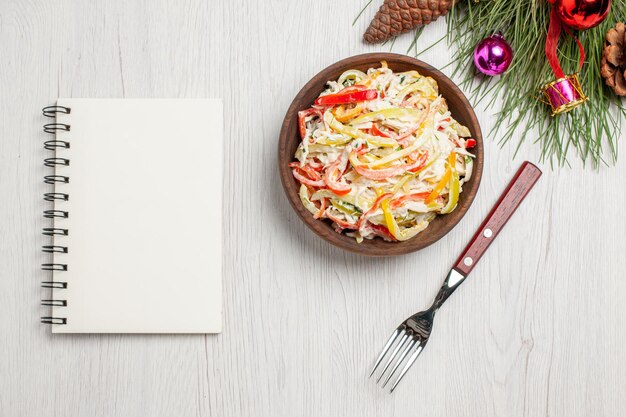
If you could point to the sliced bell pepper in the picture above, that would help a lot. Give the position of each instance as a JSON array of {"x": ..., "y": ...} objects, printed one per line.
[
  {"x": 333, "y": 175},
  {"x": 364, "y": 218},
  {"x": 316, "y": 165},
  {"x": 399, "y": 201},
  {"x": 342, "y": 113},
  {"x": 354, "y": 200},
  {"x": 418, "y": 164},
  {"x": 384, "y": 173},
  {"x": 444, "y": 180},
  {"x": 470, "y": 143},
  {"x": 408, "y": 177},
  {"x": 341, "y": 223},
  {"x": 321, "y": 210},
  {"x": 452, "y": 161},
  {"x": 454, "y": 186},
  {"x": 411, "y": 73},
  {"x": 379, "y": 174},
  {"x": 407, "y": 134},
  {"x": 354, "y": 133},
  {"x": 401, "y": 113},
  {"x": 377, "y": 132},
  {"x": 346, "y": 96},
  {"x": 422, "y": 85},
  {"x": 381, "y": 231},
  {"x": 453, "y": 194},
  {"x": 345, "y": 207},
  {"x": 353, "y": 75},
  {"x": 439, "y": 187},
  {"x": 302, "y": 115},
  {"x": 308, "y": 170},
  {"x": 393, "y": 227},
  {"x": 306, "y": 201},
  {"x": 402, "y": 153},
  {"x": 405, "y": 179},
  {"x": 334, "y": 141},
  {"x": 306, "y": 180}
]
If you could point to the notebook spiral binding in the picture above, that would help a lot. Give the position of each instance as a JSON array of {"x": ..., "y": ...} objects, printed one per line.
[{"x": 53, "y": 145}]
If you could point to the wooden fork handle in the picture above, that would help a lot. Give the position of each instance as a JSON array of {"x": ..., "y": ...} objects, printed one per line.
[{"x": 515, "y": 192}]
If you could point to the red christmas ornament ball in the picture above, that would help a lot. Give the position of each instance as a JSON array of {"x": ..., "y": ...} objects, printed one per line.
[{"x": 583, "y": 14}]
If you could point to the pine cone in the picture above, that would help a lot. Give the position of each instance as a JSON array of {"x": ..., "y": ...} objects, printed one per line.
[
  {"x": 613, "y": 68},
  {"x": 398, "y": 16}
]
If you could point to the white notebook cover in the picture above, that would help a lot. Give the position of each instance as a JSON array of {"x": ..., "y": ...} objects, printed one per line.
[{"x": 145, "y": 216}]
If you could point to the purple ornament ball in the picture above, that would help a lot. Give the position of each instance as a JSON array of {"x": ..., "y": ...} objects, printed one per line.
[{"x": 493, "y": 55}]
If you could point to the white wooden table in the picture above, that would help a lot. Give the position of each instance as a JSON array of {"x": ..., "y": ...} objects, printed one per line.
[{"x": 539, "y": 329}]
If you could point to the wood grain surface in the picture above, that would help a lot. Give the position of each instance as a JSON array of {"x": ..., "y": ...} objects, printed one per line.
[{"x": 539, "y": 329}]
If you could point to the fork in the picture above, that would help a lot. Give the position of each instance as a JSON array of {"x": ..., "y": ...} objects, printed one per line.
[{"x": 410, "y": 338}]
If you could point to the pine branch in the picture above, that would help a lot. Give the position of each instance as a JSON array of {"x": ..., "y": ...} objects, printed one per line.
[{"x": 590, "y": 131}]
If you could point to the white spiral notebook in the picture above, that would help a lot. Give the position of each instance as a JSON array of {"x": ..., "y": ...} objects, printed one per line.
[{"x": 135, "y": 228}]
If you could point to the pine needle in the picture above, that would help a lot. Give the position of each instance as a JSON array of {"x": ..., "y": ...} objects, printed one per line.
[
  {"x": 361, "y": 12},
  {"x": 590, "y": 131}
]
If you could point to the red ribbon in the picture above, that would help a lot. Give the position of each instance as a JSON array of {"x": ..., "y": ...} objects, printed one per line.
[{"x": 552, "y": 42}]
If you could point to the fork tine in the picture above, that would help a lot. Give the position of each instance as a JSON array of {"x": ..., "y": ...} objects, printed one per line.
[
  {"x": 412, "y": 342},
  {"x": 405, "y": 336},
  {"x": 412, "y": 359},
  {"x": 385, "y": 349}
]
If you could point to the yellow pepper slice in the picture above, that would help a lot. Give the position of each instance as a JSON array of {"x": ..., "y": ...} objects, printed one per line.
[
  {"x": 393, "y": 227},
  {"x": 419, "y": 142},
  {"x": 454, "y": 186},
  {"x": 439, "y": 187},
  {"x": 421, "y": 85},
  {"x": 306, "y": 202},
  {"x": 334, "y": 141},
  {"x": 411, "y": 73},
  {"x": 347, "y": 208},
  {"x": 343, "y": 113},
  {"x": 359, "y": 202},
  {"x": 453, "y": 195},
  {"x": 444, "y": 180},
  {"x": 412, "y": 175},
  {"x": 354, "y": 160},
  {"x": 401, "y": 113},
  {"x": 352, "y": 132},
  {"x": 354, "y": 75}
]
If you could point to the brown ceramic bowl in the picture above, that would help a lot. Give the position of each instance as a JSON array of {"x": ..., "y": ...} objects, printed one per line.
[{"x": 290, "y": 138}]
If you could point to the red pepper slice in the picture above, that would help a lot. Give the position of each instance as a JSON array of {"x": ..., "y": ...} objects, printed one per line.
[
  {"x": 374, "y": 207},
  {"x": 403, "y": 139},
  {"x": 338, "y": 188},
  {"x": 305, "y": 180},
  {"x": 343, "y": 97},
  {"x": 302, "y": 115},
  {"x": 309, "y": 170},
  {"x": 382, "y": 231},
  {"x": 315, "y": 164},
  {"x": 384, "y": 173},
  {"x": 321, "y": 210},
  {"x": 377, "y": 132},
  {"x": 407, "y": 134},
  {"x": 418, "y": 164},
  {"x": 470, "y": 143},
  {"x": 379, "y": 174},
  {"x": 341, "y": 223},
  {"x": 397, "y": 202},
  {"x": 333, "y": 175}
]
